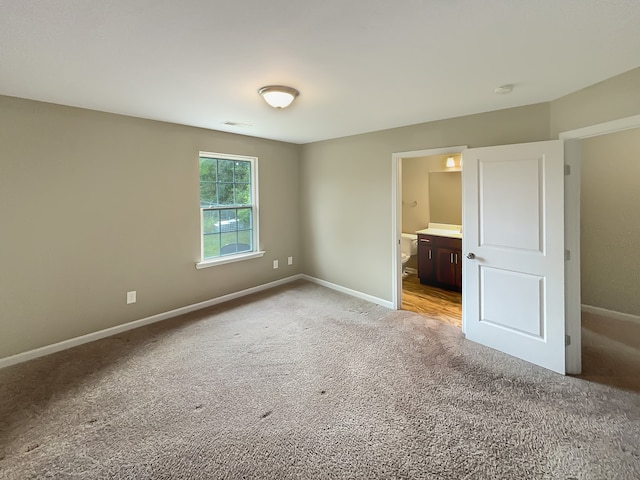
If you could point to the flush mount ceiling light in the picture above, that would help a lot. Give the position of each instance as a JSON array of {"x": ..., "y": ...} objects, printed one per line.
[{"x": 278, "y": 96}]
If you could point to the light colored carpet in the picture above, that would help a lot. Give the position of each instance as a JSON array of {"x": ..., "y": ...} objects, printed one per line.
[
  {"x": 611, "y": 351},
  {"x": 302, "y": 382}
]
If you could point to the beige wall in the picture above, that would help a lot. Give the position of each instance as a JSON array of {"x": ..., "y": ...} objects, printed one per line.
[
  {"x": 610, "y": 221},
  {"x": 615, "y": 98},
  {"x": 415, "y": 188},
  {"x": 445, "y": 197},
  {"x": 93, "y": 205},
  {"x": 345, "y": 187}
]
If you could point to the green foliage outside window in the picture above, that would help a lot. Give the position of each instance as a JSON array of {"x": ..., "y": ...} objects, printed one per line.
[{"x": 226, "y": 203}]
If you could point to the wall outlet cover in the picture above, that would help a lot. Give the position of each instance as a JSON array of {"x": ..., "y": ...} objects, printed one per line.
[{"x": 131, "y": 297}]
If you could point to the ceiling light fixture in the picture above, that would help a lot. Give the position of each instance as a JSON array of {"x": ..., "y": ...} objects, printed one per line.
[{"x": 278, "y": 96}]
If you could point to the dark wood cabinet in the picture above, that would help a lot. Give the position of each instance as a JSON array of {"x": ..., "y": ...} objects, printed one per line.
[
  {"x": 426, "y": 259},
  {"x": 440, "y": 261}
]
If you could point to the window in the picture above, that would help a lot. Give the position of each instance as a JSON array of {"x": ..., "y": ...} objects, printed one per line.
[{"x": 228, "y": 208}]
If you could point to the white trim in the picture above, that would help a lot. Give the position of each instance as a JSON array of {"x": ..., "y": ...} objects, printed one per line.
[
  {"x": 348, "y": 291},
  {"x": 396, "y": 213},
  {"x": 572, "y": 325},
  {"x": 92, "y": 337},
  {"x": 626, "y": 317},
  {"x": 602, "y": 128},
  {"x": 212, "y": 262}
]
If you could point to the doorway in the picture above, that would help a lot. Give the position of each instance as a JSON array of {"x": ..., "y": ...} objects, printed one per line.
[
  {"x": 573, "y": 296},
  {"x": 572, "y": 293},
  {"x": 412, "y": 172},
  {"x": 610, "y": 269}
]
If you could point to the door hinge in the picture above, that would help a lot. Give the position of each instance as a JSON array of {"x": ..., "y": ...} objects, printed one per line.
[
  {"x": 567, "y": 340},
  {"x": 567, "y": 255},
  {"x": 567, "y": 169}
]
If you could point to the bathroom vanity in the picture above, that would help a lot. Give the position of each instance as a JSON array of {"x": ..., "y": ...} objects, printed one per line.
[{"x": 440, "y": 256}]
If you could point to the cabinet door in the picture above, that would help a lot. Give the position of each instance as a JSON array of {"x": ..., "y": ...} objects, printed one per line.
[
  {"x": 446, "y": 266},
  {"x": 425, "y": 259},
  {"x": 458, "y": 262}
]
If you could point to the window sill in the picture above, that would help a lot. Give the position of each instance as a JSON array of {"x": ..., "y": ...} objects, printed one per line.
[{"x": 229, "y": 259}]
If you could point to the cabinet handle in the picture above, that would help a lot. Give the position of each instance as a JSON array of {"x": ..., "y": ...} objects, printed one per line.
[
  {"x": 429, "y": 254},
  {"x": 452, "y": 257},
  {"x": 422, "y": 240},
  {"x": 456, "y": 258}
]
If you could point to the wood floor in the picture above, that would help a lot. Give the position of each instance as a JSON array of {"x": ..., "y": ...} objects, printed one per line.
[{"x": 443, "y": 305}]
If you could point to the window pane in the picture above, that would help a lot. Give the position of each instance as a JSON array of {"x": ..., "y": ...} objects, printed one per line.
[
  {"x": 225, "y": 194},
  {"x": 244, "y": 218},
  {"x": 243, "y": 172},
  {"x": 208, "y": 167},
  {"x": 211, "y": 245},
  {"x": 208, "y": 195},
  {"x": 245, "y": 237},
  {"x": 210, "y": 221},
  {"x": 243, "y": 194},
  {"x": 229, "y": 241},
  {"x": 225, "y": 171},
  {"x": 228, "y": 221}
]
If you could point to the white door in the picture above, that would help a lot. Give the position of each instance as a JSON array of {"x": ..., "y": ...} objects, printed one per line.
[{"x": 513, "y": 244}]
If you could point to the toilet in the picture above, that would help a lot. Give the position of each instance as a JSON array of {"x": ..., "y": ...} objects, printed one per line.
[{"x": 408, "y": 248}]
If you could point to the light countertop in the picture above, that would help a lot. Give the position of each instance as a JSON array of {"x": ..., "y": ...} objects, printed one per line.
[{"x": 442, "y": 230}]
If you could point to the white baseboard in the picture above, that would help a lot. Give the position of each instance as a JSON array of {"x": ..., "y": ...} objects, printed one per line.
[
  {"x": 410, "y": 270},
  {"x": 348, "y": 291},
  {"x": 107, "y": 332},
  {"x": 611, "y": 314}
]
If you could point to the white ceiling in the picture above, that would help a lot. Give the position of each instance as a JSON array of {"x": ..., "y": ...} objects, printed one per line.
[{"x": 360, "y": 65}]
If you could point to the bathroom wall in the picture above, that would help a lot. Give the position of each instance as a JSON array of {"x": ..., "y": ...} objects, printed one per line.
[
  {"x": 610, "y": 223},
  {"x": 415, "y": 188},
  {"x": 445, "y": 197}
]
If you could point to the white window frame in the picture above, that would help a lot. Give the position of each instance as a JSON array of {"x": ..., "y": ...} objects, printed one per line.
[{"x": 237, "y": 257}]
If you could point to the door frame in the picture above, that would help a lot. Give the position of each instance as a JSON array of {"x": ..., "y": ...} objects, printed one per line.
[
  {"x": 573, "y": 304},
  {"x": 572, "y": 158},
  {"x": 396, "y": 212}
]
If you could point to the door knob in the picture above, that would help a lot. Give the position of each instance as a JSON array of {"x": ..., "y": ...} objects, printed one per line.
[{"x": 471, "y": 255}]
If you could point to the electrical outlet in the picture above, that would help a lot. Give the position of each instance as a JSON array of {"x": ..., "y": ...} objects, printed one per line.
[
  {"x": 131, "y": 297},
  {"x": 290, "y": 261},
  {"x": 275, "y": 264}
]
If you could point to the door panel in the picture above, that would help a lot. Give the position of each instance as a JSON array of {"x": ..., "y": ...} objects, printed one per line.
[
  {"x": 517, "y": 292},
  {"x": 510, "y": 190},
  {"x": 513, "y": 219}
]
